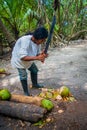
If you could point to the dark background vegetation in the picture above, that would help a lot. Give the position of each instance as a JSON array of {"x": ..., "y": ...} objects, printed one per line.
[{"x": 17, "y": 17}]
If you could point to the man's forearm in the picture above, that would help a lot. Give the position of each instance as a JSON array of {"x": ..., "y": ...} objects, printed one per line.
[
  {"x": 40, "y": 57},
  {"x": 29, "y": 58}
]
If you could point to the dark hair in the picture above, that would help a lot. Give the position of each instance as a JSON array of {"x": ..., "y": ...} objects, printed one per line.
[{"x": 40, "y": 33}]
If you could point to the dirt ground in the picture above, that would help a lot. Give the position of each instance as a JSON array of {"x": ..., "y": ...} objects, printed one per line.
[{"x": 64, "y": 66}]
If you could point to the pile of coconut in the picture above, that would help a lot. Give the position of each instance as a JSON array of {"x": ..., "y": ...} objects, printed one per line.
[
  {"x": 62, "y": 93},
  {"x": 46, "y": 95}
]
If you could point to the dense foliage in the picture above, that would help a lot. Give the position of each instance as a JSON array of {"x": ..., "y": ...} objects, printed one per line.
[{"x": 20, "y": 16}]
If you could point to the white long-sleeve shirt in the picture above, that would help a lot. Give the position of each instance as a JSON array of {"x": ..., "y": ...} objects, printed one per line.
[{"x": 24, "y": 47}]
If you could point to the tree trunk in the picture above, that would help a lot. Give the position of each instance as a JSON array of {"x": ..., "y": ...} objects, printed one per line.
[
  {"x": 7, "y": 34},
  {"x": 26, "y": 99},
  {"x": 1, "y": 49},
  {"x": 22, "y": 111},
  {"x": 59, "y": 13}
]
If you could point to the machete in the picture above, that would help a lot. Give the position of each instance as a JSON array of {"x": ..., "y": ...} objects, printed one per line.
[
  {"x": 55, "y": 6},
  {"x": 50, "y": 34}
]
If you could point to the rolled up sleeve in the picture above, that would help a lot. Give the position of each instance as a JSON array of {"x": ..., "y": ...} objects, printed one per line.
[
  {"x": 24, "y": 49},
  {"x": 23, "y": 53}
]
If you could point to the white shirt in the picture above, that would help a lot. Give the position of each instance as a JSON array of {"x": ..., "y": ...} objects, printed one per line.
[{"x": 24, "y": 47}]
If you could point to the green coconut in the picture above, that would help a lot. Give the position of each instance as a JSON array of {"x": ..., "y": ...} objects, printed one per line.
[
  {"x": 42, "y": 94},
  {"x": 2, "y": 70},
  {"x": 47, "y": 104},
  {"x": 49, "y": 95},
  {"x": 64, "y": 91},
  {"x": 5, "y": 94}
]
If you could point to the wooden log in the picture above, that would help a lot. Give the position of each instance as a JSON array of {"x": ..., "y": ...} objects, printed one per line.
[
  {"x": 6, "y": 73},
  {"x": 26, "y": 99},
  {"x": 27, "y": 112}
]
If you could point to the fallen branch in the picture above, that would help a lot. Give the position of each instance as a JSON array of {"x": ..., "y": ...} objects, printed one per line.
[
  {"x": 76, "y": 34},
  {"x": 6, "y": 73}
]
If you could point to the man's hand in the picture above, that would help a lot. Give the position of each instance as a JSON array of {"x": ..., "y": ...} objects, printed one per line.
[
  {"x": 42, "y": 56},
  {"x": 46, "y": 55}
]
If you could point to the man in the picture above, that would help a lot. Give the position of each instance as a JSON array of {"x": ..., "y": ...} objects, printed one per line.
[{"x": 25, "y": 52}]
